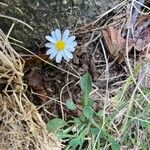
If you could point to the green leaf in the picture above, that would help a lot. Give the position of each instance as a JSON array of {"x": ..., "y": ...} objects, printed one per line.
[
  {"x": 83, "y": 118},
  {"x": 112, "y": 141},
  {"x": 61, "y": 135},
  {"x": 86, "y": 84},
  {"x": 77, "y": 121},
  {"x": 71, "y": 105},
  {"x": 55, "y": 124},
  {"x": 87, "y": 101},
  {"x": 94, "y": 131},
  {"x": 88, "y": 112},
  {"x": 75, "y": 142},
  {"x": 115, "y": 146}
]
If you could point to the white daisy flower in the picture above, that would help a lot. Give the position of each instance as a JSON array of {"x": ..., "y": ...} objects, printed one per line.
[{"x": 60, "y": 45}]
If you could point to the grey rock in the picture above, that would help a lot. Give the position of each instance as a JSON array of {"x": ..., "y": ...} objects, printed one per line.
[{"x": 46, "y": 15}]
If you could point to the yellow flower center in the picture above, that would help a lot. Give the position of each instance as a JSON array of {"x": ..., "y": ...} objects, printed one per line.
[{"x": 60, "y": 45}]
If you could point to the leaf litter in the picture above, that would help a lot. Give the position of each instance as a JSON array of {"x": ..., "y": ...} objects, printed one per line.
[
  {"x": 89, "y": 57},
  {"x": 116, "y": 44}
]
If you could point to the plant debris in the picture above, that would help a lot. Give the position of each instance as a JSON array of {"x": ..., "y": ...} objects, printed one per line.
[
  {"x": 142, "y": 33},
  {"x": 116, "y": 44},
  {"x": 21, "y": 126},
  {"x": 144, "y": 76},
  {"x": 36, "y": 82}
]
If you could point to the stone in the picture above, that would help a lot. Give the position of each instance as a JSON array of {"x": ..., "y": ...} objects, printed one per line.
[{"x": 45, "y": 16}]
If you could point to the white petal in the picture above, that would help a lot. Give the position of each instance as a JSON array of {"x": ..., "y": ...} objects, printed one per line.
[
  {"x": 50, "y": 51},
  {"x": 51, "y": 39},
  {"x": 53, "y": 54},
  {"x": 65, "y": 35},
  {"x": 71, "y": 45},
  {"x": 65, "y": 57},
  {"x": 71, "y": 49},
  {"x": 68, "y": 54},
  {"x": 49, "y": 45},
  {"x": 54, "y": 35},
  {"x": 58, "y": 34},
  {"x": 59, "y": 57},
  {"x": 74, "y": 44},
  {"x": 70, "y": 39}
]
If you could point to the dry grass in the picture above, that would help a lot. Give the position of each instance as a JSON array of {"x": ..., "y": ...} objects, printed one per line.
[{"x": 21, "y": 126}]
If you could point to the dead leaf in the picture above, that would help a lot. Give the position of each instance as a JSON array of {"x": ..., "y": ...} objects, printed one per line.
[
  {"x": 142, "y": 33},
  {"x": 36, "y": 82},
  {"x": 146, "y": 53},
  {"x": 116, "y": 44},
  {"x": 143, "y": 40},
  {"x": 144, "y": 76},
  {"x": 79, "y": 110}
]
